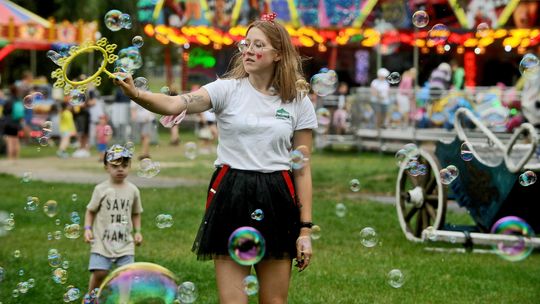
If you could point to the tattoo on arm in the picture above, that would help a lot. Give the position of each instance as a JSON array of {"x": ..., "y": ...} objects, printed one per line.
[{"x": 190, "y": 98}]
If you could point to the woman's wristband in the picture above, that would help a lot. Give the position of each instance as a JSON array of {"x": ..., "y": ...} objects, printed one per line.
[
  {"x": 137, "y": 230},
  {"x": 87, "y": 227},
  {"x": 306, "y": 225}
]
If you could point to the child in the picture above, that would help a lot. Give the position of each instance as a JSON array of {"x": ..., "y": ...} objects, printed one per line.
[
  {"x": 67, "y": 129},
  {"x": 103, "y": 136},
  {"x": 113, "y": 213}
]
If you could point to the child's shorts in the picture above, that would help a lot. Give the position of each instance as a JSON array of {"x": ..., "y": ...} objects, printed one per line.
[
  {"x": 101, "y": 147},
  {"x": 99, "y": 262}
]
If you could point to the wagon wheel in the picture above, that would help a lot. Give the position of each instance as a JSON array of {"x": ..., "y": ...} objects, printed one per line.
[{"x": 420, "y": 200}]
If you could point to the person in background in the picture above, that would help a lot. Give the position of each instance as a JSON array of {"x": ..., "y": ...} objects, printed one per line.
[
  {"x": 120, "y": 117},
  {"x": 405, "y": 98},
  {"x": 13, "y": 113},
  {"x": 380, "y": 97},
  {"x": 144, "y": 123},
  {"x": 340, "y": 114},
  {"x": 103, "y": 136},
  {"x": 439, "y": 81},
  {"x": 207, "y": 131},
  {"x": 67, "y": 129},
  {"x": 458, "y": 75}
]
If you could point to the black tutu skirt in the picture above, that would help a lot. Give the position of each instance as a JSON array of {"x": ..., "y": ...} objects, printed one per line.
[{"x": 238, "y": 193}]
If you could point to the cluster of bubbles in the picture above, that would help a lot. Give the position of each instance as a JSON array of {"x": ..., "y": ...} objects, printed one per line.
[
  {"x": 527, "y": 178},
  {"x": 341, "y": 210},
  {"x": 416, "y": 168},
  {"x": 115, "y": 20},
  {"x": 369, "y": 237},
  {"x": 395, "y": 278},
  {"x": 325, "y": 82},
  {"x": 449, "y": 174},
  {"x": 140, "y": 283},
  {"x": 148, "y": 168},
  {"x": 466, "y": 151},
  {"x": 187, "y": 292},
  {"x": 420, "y": 19},
  {"x": 129, "y": 60},
  {"x": 513, "y": 250},
  {"x": 190, "y": 150},
  {"x": 354, "y": 185},
  {"x": 72, "y": 293},
  {"x": 246, "y": 246},
  {"x": 529, "y": 64},
  {"x": 409, "y": 152},
  {"x": 43, "y": 140},
  {"x": 23, "y": 287},
  {"x": 30, "y": 99},
  {"x": 164, "y": 221},
  {"x": 257, "y": 215},
  {"x": 251, "y": 285},
  {"x": 393, "y": 78}
]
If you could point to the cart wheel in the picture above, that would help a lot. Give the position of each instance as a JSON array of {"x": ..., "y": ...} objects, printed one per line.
[{"x": 420, "y": 200}]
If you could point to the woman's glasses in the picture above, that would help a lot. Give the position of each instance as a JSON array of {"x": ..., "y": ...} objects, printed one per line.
[{"x": 256, "y": 46}]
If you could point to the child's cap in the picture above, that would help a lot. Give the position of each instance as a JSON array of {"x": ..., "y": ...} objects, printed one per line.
[{"x": 118, "y": 152}]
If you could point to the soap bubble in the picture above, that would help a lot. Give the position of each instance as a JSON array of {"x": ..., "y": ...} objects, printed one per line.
[
  {"x": 187, "y": 292},
  {"x": 246, "y": 246},
  {"x": 140, "y": 283},
  {"x": 420, "y": 19},
  {"x": 137, "y": 41}
]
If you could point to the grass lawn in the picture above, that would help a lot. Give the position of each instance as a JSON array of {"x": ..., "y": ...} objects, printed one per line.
[{"x": 343, "y": 271}]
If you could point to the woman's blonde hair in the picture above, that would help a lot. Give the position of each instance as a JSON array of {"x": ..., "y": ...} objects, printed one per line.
[{"x": 288, "y": 70}]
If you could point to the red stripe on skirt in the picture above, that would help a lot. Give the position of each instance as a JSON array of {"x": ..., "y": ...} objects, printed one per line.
[
  {"x": 290, "y": 184},
  {"x": 216, "y": 183}
]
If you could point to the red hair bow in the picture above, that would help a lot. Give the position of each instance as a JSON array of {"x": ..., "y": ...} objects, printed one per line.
[{"x": 269, "y": 17}]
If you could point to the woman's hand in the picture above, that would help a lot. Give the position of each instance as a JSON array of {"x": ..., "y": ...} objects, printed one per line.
[
  {"x": 125, "y": 82},
  {"x": 303, "y": 252}
]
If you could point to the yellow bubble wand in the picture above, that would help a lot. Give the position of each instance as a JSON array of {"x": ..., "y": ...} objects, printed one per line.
[{"x": 60, "y": 74}]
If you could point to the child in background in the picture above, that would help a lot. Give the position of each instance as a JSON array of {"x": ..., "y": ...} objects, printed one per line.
[
  {"x": 113, "y": 213},
  {"x": 103, "y": 136},
  {"x": 67, "y": 129}
]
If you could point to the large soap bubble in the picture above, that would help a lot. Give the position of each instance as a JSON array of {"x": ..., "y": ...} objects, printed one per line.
[
  {"x": 139, "y": 283},
  {"x": 246, "y": 246}
]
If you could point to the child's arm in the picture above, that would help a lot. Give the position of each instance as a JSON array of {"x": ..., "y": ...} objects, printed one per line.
[
  {"x": 136, "y": 220},
  {"x": 88, "y": 221}
]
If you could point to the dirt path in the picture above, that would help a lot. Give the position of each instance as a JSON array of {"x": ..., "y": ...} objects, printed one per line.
[{"x": 81, "y": 170}]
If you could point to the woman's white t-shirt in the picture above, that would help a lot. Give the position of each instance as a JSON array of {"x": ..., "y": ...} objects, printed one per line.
[{"x": 255, "y": 130}]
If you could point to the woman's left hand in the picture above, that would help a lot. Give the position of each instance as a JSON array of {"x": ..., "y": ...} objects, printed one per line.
[{"x": 303, "y": 252}]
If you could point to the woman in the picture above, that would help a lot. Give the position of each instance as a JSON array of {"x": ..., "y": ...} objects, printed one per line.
[{"x": 259, "y": 121}]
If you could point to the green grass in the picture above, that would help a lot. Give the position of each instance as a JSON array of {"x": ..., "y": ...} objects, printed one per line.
[{"x": 343, "y": 271}]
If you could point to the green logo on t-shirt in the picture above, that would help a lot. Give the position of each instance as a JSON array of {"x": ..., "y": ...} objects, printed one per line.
[{"x": 281, "y": 113}]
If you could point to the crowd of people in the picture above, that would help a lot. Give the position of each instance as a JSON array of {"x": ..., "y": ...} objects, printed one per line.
[{"x": 79, "y": 128}]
